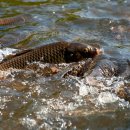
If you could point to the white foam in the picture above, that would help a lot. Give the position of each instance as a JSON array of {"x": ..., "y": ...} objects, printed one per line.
[
  {"x": 6, "y": 51},
  {"x": 30, "y": 123},
  {"x": 85, "y": 90},
  {"x": 107, "y": 97}
]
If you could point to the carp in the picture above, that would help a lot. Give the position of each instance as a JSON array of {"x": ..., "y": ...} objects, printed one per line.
[{"x": 59, "y": 52}]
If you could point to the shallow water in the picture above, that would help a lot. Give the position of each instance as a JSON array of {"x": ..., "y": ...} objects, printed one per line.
[{"x": 32, "y": 101}]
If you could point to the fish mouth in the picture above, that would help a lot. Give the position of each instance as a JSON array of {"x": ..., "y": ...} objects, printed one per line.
[{"x": 97, "y": 51}]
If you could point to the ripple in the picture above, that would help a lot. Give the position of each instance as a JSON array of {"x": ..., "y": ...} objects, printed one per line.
[{"x": 31, "y": 100}]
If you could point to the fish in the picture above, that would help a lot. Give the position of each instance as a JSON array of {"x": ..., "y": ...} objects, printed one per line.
[
  {"x": 54, "y": 53},
  {"x": 79, "y": 69},
  {"x": 15, "y": 19}
]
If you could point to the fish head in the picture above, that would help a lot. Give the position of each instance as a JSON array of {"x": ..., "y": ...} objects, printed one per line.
[
  {"x": 77, "y": 51},
  {"x": 91, "y": 51}
]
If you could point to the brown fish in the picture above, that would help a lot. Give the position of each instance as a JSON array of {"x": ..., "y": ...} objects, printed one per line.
[
  {"x": 59, "y": 52},
  {"x": 16, "y": 19}
]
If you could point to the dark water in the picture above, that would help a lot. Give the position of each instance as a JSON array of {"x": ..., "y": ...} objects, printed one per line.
[{"x": 31, "y": 101}]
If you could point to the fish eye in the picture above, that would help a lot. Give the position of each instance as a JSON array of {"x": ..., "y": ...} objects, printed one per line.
[{"x": 71, "y": 54}]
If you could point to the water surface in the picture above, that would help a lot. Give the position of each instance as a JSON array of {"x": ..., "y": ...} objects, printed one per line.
[{"x": 31, "y": 101}]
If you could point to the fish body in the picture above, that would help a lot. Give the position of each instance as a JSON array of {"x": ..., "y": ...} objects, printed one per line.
[
  {"x": 16, "y": 19},
  {"x": 59, "y": 52}
]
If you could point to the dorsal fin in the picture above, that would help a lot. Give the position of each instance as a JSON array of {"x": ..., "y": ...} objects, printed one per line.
[{"x": 22, "y": 52}]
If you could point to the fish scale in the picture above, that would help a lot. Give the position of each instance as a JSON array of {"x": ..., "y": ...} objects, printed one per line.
[{"x": 59, "y": 52}]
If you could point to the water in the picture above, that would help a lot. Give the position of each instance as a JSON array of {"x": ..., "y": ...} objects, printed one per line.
[{"x": 33, "y": 101}]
